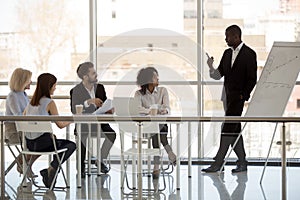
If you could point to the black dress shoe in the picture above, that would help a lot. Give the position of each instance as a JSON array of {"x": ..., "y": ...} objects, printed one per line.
[
  {"x": 44, "y": 174},
  {"x": 213, "y": 168},
  {"x": 240, "y": 168},
  {"x": 104, "y": 168}
]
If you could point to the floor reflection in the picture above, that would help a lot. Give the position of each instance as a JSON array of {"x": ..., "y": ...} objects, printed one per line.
[
  {"x": 200, "y": 186},
  {"x": 103, "y": 182},
  {"x": 29, "y": 192},
  {"x": 239, "y": 191},
  {"x": 161, "y": 188}
]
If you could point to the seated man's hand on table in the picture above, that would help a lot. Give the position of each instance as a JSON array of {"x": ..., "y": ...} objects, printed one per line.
[{"x": 111, "y": 111}]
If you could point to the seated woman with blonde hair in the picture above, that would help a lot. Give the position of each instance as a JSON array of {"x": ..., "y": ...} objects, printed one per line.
[{"x": 16, "y": 101}]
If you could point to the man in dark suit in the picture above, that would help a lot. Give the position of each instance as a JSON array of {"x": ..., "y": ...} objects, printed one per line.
[
  {"x": 239, "y": 68},
  {"x": 91, "y": 95}
]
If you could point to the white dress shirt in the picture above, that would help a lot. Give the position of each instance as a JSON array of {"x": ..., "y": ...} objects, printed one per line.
[
  {"x": 92, "y": 94},
  {"x": 235, "y": 52}
]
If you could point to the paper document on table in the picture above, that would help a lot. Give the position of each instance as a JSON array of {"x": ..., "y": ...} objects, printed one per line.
[{"x": 106, "y": 106}]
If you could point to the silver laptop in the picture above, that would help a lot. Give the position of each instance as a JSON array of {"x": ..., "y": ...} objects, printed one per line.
[{"x": 126, "y": 106}]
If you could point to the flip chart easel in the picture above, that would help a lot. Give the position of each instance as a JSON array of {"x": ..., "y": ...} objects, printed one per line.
[{"x": 277, "y": 81}]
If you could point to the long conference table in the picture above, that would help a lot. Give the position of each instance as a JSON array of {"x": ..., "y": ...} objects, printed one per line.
[{"x": 139, "y": 120}]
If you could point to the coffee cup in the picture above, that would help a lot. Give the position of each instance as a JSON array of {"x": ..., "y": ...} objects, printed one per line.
[
  {"x": 79, "y": 109},
  {"x": 154, "y": 109}
]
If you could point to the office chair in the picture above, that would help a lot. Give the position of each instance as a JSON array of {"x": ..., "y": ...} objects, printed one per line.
[
  {"x": 90, "y": 147},
  {"x": 37, "y": 127},
  {"x": 12, "y": 141},
  {"x": 148, "y": 129},
  {"x": 15, "y": 155}
]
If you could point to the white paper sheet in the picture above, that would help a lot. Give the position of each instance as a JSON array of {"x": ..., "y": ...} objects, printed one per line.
[{"x": 106, "y": 106}]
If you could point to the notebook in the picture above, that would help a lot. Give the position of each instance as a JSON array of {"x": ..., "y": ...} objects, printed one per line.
[{"x": 126, "y": 106}]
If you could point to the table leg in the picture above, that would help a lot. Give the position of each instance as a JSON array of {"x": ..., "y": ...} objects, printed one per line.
[
  {"x": 189, "y": 151},
  {"x": 78, "y": 129},
  {"x": 89, "y": 148},
  {"x": 140, "y": 183},
  {"x": 122, "y": 159},
  {"x": 283, "y": 163},
  {"x": 68, "y": 160},
  {"x": 134, "y": 170},
  {"x": 178, "y": 157},
  {"x": 99, "y": 149},
  {"x": 2, "y": 163}
]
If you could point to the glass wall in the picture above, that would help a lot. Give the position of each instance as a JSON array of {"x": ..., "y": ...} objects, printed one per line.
[
  {"x": 133, "y": 34},
  {"x": 43, "y": 36},
  {"x": 55, "y": 36}
]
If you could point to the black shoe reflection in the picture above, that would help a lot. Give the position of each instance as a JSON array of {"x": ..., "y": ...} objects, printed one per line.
[
  {"x": 218, "y": 182},
  {"x": 103, "y": 182},
  {"x": 242, "y": 178},
  {"x": 103, "y": 178},
  {"x": 239, "y": 191},
  {"x": 49, "y": 195}
]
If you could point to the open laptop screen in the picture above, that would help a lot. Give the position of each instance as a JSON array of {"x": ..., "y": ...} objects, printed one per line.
[{"x": 126, "y": 106}]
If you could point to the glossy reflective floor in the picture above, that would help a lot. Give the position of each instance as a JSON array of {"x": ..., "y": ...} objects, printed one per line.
[{"x": 199, "y": 186}]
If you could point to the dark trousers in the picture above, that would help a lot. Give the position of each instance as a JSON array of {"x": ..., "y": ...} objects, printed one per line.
[
  {"x": 163, "y": 139},
  {"x": 230, "y": 132},
  {"x": 108, "y": 133},
  {"x": 225, "y": 142},
  {"x": 44, "y": 143}
]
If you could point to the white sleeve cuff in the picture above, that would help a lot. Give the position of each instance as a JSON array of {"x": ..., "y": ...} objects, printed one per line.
[{"x": 86, "y": 104}]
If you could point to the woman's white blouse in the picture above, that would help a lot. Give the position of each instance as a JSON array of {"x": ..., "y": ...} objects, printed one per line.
[{"x": 159, "y": 96}]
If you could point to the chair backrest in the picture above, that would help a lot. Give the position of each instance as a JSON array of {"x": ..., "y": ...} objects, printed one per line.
[
  {"x": 34, "y": 126},
  {"x": 126, "y": 106}
]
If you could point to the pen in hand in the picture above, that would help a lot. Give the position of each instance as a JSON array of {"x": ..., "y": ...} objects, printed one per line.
[
  {"x": 207, "y": 55},
  {"x": 210, "y": 61}
]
